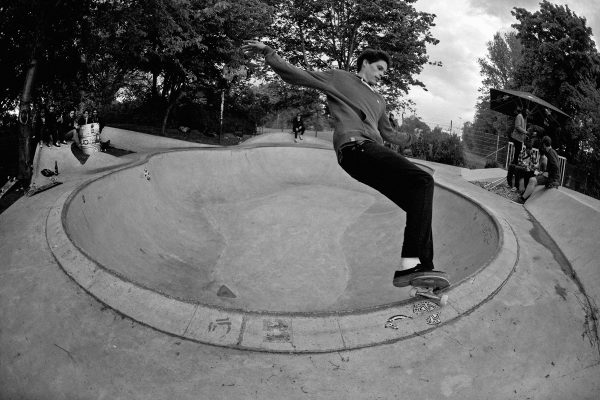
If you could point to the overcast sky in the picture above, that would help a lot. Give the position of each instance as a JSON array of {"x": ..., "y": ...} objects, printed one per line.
[{"x": 463, "y": 28}]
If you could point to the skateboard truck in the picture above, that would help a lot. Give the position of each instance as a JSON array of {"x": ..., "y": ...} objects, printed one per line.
[
  {"x": 427, "y": 285},
  {"x": 428, "y": 292}
]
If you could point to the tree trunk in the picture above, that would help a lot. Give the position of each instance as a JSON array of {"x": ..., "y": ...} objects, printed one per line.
[
  {"x": 26, "y": 123},
  {"x": 303, "y": 41},
  {"x": 154, "y": 85},
  {"x": 176, "y": 98}
]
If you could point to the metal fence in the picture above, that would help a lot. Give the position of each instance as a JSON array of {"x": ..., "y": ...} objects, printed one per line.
[{"x": 487, "y": 146}]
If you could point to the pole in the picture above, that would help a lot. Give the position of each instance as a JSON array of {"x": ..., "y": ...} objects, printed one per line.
[
  {"x": 497, "y": 144},
  {"x": 221, "y": 117}
]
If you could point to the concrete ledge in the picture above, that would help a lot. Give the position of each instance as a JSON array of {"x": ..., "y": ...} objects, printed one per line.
[
  {"x": 280, "y": 332},
  {"x": 142, "y": 142},
  {"x": 287, "y": 138},
  {"x": 573, "y": 222},
  {"x": 485, "y": 174}
]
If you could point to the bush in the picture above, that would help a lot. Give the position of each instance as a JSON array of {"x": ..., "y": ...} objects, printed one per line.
[{"x": 491, "y": 164}]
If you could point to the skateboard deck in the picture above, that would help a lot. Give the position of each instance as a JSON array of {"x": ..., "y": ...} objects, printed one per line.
[
  {"x": 7, "y": 186},
  {"x": 37, "y": 189},
  {"x": 428, "y": 285}
]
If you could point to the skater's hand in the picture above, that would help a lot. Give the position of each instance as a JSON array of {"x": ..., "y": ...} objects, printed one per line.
[{"x": 253, "y": 46}]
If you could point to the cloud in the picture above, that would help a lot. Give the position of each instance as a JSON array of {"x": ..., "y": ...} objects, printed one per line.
[
  {"x": 501, "y": 8},
  {"x": 587, "y": 9},
  {"x": 453, "y": 88}
]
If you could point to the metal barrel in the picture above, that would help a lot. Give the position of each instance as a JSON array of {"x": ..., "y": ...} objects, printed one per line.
[{"x": 89, "y": 138}]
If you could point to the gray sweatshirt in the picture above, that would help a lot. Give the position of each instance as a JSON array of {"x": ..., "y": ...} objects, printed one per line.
[{"x": 359, "y": 112}]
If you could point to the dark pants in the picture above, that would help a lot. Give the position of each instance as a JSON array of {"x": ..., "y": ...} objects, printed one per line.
[
  {"x": 518, "y": 148},
  {"x": 45, "y": 135},
  {"x": 516, "y": 173},
  {"x": 59, "y": 135},
  {"x": 407, "y": 185}
]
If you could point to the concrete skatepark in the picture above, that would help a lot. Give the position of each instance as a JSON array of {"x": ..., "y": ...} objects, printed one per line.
[{"x": 262, "y": 271}]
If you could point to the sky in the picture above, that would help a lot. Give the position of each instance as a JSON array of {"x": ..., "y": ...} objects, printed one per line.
[{"x": 464, "y": 27}]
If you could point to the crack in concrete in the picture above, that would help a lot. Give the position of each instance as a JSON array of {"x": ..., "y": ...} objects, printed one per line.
[{"x": 590, "y": 328}]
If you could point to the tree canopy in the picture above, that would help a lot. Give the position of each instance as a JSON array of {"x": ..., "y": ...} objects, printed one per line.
[
  {"x": 51, "y": 32},
  {"x": 167, "y": 53},
  {"x": 318, "y": 34}
]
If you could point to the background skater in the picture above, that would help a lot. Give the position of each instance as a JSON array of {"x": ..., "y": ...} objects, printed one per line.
[
  {"x": 361, "y": 126},
  {"x": 298, "y": 127}
]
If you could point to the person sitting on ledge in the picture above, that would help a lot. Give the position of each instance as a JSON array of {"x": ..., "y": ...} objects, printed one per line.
[{"x": 550, "y": 178}]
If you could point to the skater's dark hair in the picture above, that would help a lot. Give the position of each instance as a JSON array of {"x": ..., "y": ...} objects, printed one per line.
[{"x": 372, "y": 55}]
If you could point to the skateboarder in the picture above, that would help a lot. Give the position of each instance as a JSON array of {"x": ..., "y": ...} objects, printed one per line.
[
  {"x": 298, "y": 127},
  {"x": 361, "y": 126}
]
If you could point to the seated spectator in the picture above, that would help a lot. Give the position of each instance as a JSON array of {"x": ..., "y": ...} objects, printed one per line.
[
  {"x": 551, "y": 177},
  {"x": 69, "y": 126},
  {"x": 523, "y": 170},
  {"x": 85, "y": 118},
  {"x": 528, "y": 163},
  {"x": 96, "y": 119}
]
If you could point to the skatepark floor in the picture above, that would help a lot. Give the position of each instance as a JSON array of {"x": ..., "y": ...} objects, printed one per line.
[{"x": 536, "y": 338}]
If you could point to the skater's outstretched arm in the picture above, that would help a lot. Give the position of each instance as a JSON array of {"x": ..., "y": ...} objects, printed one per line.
[
  {"x": 393, "y": 135},
  {"x": 287, "y": 72}
]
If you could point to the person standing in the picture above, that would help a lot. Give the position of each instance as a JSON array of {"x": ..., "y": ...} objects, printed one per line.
[
  {"x": 52, "y": 126},
  {"x": 361, "y": 126},
  {"x": 41, "y": 128},
  {"x": 518, "y": 134}
]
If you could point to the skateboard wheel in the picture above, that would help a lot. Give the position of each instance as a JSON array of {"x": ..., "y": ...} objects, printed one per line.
[
  {"x": 444, "y": 299},
  {"x": 413, "y": 292}
]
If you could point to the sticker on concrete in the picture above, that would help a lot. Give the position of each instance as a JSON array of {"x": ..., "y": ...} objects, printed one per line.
[
  {"x": 277, "y": 331},
  {"x": 434, "y": 319},
  {"x": 393, "y": 322},
  {"x": 220, "y": 325},
  {"x": 423, "y": 307}
]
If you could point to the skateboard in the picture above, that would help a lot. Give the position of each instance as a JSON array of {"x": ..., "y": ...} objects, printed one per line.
[
  {"x": 33, "y": 189},
  {"x": 429, "y": 285},
  {"x": 7, "y": 186}
]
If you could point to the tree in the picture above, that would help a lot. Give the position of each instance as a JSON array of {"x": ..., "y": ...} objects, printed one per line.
[
  {"x": 559, "y": 62},
  {"x": 215, "y": 34},
  {"x": 497, "y": 70},
  {"x": 318, "y": 34},
  {"x": 41, "y": 42}
]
